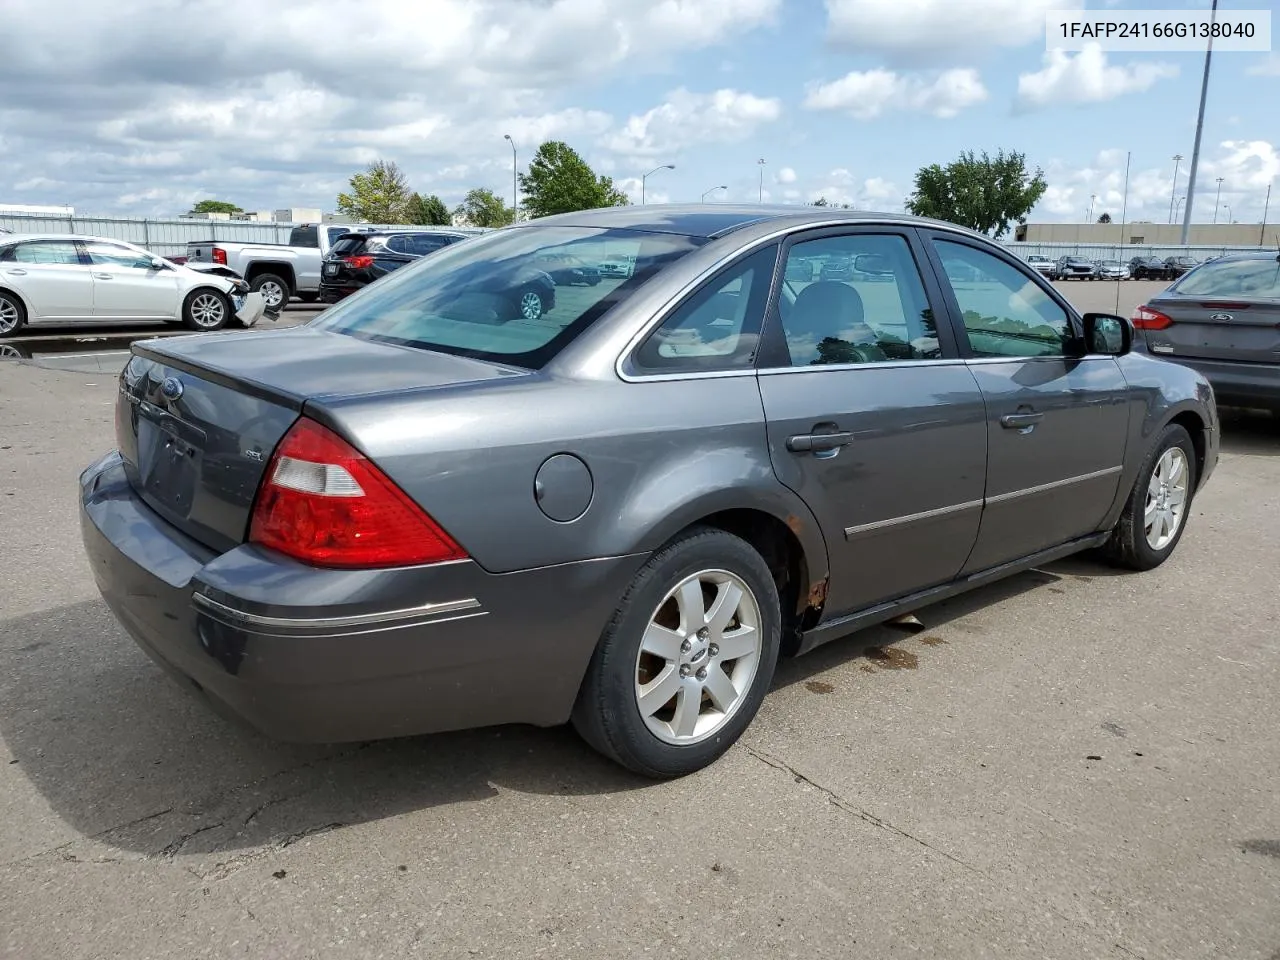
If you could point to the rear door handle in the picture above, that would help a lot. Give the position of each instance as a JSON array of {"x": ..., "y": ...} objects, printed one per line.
[
  {"x": 104, "y": 276},
  {"x": 1020, "y": 421},
  {"x": 819, "y": 442},
  {"x": 16, "y": 273}
]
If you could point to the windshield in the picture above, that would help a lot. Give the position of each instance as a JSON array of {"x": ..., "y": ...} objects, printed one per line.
[
  {"x": 491, "y": 297},
  {"x": 1234, "y": 278}
]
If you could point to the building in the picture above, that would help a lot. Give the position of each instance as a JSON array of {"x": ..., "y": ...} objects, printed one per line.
[
  {"x": 30, "y": 210},
  {"x": 1151, "y": 234},
  {"x": 299, "y": 215}
]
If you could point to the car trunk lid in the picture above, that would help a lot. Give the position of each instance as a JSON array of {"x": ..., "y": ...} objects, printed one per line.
[
  {"x": 198, "y": 417},
  {"x": 1212, "y": 328}
]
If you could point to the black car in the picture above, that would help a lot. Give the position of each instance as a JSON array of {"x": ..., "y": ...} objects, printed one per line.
[
  {"x": 1148, "y": 268},
  {"x": 1176, "y": 266},
  {"x": 357, "y": 259},
  {"x": 1075, "y": 268},
  {"x": 567, "y": 270}
]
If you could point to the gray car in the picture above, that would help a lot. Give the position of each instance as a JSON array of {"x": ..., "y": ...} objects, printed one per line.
[
  {"x": 1222, "y": 319},
  {"x": 419, "y": 513}
]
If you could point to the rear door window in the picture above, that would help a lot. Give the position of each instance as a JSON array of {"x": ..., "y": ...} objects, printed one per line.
[{"x": 47, "y": 251}]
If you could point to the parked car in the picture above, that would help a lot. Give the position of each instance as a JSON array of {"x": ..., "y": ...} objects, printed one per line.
[
  {"x": 1075, "y": 268},
  {"x": 616, "y": 269},
  {"x": 1112, "y": 270},
  {"x": 1043, "y": 264},
  {"x": 1176, "y": 266},
  {"x": 1148, "y": 268},
  {"x": 799, "y": 271},
  {"x": 358, "y": 259},
  {"x": 62, "y": 277},
  {"x": 836, "y": 268},
  {"x": 1222, "y": 319},
  {"x": 623, "y": 516},
  {"x": 567, "y": 270}
]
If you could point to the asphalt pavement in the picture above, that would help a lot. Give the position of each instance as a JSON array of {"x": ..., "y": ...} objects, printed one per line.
[{"x": 1071, "y": 764}]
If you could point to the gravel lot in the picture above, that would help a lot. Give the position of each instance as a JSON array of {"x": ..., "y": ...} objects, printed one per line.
[{"x": 1071, "y": 764}]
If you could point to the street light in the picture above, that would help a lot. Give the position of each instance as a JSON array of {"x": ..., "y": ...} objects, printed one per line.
[
  {"x": 1173, "y": 191},
  {"x": 1217, "y": 201},
  {"x": 1093, "y": 198},
  {"x": 665, "y": 166},
  {"x": 713, "y": 190},
  {"x": 1228, "y": 206},
  {"x": 1178, "y": 207},
  {"x": 515, "y": 192},
  {"x": 760, "y": 195}
]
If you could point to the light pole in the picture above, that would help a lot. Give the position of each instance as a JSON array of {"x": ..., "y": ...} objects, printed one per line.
[
  {"x": 1266, "y": 205},
  {"x": 665, "y": 166},
  {"x": 713, "y": 190},
  {"x": 1217, "y": 201},
  {"x": 515, "y": 191},
  {"x": 1228, "y": 206},
  {"x": 760, "y": 195},
  {"x": 1093, "y": 198},
  {"x": 1173, "y": 191},
  {"x": 1195, "y": 150},
  {"x": 1178, "y": 206}
]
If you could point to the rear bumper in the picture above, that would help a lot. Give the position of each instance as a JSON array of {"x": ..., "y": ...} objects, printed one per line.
[
  {"x": 307, "y": 654},
  {"x": 332, "y": 293},
  {"x": 1236, "y": 384}
]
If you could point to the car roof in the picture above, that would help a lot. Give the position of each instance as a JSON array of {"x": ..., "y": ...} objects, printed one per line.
[
  {"x": 711, "y": 220},
  {"x": 16, "y": 237}
]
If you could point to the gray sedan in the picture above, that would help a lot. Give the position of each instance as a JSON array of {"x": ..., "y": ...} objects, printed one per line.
[{"x": 418, "y": 513}]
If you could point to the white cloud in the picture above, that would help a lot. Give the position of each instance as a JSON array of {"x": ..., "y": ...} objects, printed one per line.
[
  {"x": 1086, "y": 77},
  {"x": 723, "y": 116},
  {"x": 786, "y": 175},
  {"x": 870, "y": 93},
  {"x": 926, "y": 30},
  {"x": 840, "y": 187},
  {"x": 1269, "y": 67}
]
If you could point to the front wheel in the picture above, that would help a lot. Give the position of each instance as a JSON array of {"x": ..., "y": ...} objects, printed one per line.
[
  {"x": 530, "y": 305},
  {"x": 1155, "y": 514},
  {"x": 684, "y": 664},
  {"x": 206, "y": 309}
]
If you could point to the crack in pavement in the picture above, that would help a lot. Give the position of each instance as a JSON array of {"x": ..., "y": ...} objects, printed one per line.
[{"x": 836, "y": 800}]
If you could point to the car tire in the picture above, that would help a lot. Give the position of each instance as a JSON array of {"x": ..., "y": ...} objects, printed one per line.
[
  {"x": 610, "y": 712},
  {"x": 13, "y": 315},
  {"x": 206, "y": 309},
  {"x": 1132, "y": 544},
  {"x": 529, "y": 304},
  {"x": 277, "y": 289}
]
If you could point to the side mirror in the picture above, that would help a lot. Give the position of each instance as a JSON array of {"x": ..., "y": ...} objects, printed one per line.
[
  {"x": 1107, "y": 334},
  {"x": 156, "y": 263}
]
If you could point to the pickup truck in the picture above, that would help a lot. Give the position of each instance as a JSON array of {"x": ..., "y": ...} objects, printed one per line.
[{"x": 277, "y": 270}]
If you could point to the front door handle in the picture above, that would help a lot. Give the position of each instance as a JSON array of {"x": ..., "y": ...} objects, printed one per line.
[
  {"x": 819, "y": 442},
  {"x": 16, "y": 273},
  {"x": 1020, "y": 421},
  {"x": 104, "y": 276}
]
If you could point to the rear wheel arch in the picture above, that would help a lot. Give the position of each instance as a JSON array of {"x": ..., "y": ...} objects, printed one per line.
[
  {"x": 1194, "y": 424},
  {"x": 283, "y": 270}
]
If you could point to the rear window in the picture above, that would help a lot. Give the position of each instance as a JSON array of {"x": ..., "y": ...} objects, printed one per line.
[
  {"x": 491, "y": 299},
  {"x": 347, "y": 246},
  {"x": 1233, "y": 278},
  {"x": 336, "y": 232}
]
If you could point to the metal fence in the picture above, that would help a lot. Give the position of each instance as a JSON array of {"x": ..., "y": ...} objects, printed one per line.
[{"x": 167, "y": 238}]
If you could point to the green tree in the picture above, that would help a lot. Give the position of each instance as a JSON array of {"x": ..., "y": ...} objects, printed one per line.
[
  {"x": 482, "y": 208},
  {"x": 560, "y": 181},
  {"x": 215, "y": 206},
  {"x": 982, "y": 193},
  {"x": 1105, "y": 218},
  {"x": 378, "y": 195},
  {"x": 428, "y": 211}
]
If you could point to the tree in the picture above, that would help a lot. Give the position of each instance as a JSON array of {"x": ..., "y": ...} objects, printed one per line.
[
  {"x": 482, "y": 208},
  {"x": 560, "y": 181},
  {"x": 215, "y": 206},
  {"x": 428, "y": 211},
  {"x": 378, "y": 195},
  {"x": 1105, "y": 218},
  {"x": 824, "y": 202},
  {"x": 983, "y": 193}
]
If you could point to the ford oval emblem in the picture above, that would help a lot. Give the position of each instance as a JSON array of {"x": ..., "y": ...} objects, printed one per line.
[{"x": 171, "y": 388}]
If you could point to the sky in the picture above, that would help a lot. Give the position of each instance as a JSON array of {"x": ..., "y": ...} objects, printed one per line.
[{"x": 142, "y": 107}]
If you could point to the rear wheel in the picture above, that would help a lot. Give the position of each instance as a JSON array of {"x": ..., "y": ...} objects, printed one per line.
[
  {"x": 206, "y": 309},
  {"x": 274, "y": 289},
  {"x": 12, "y": 315},
  {"x": 684, "y": 664},
  {"x": 1155, "y": 514}
]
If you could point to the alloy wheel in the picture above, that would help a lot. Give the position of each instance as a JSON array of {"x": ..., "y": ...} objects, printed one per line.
[
  {"x": 208, "y": 310},
  {"x": 698, "y": 657},
  {"x": 1166, "y": 498},
  {"x": 531, "y": 306},
  {"x": 272, "y": 292},
  {"x": 8, "y": 316}
]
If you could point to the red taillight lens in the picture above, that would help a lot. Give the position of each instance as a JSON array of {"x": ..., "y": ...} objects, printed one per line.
[
  {"x": 1144, "y": 318},
  {"x": 325, "y": 503},
  {"x": 359, "y": 262},
  {"x": 219, "y": 255}
]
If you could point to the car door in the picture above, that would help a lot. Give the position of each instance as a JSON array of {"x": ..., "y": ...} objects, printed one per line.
[
  {"x": 1057, "y": 421},
  {"x": 871, "y": 416},
  {"x": 127, "y": 286},
  {"x": 52, "y": 279}
]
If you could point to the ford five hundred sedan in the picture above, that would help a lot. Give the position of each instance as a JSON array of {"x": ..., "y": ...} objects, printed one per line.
[{"x": 423, "y": 512}]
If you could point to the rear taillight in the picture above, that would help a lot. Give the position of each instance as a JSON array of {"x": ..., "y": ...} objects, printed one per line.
[
  {"x": 324, "y": 503},
  {"x": 1144, "y": 318},
  {"x": 360, "y": 262},
  {"x": 219, "y": 255}
]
